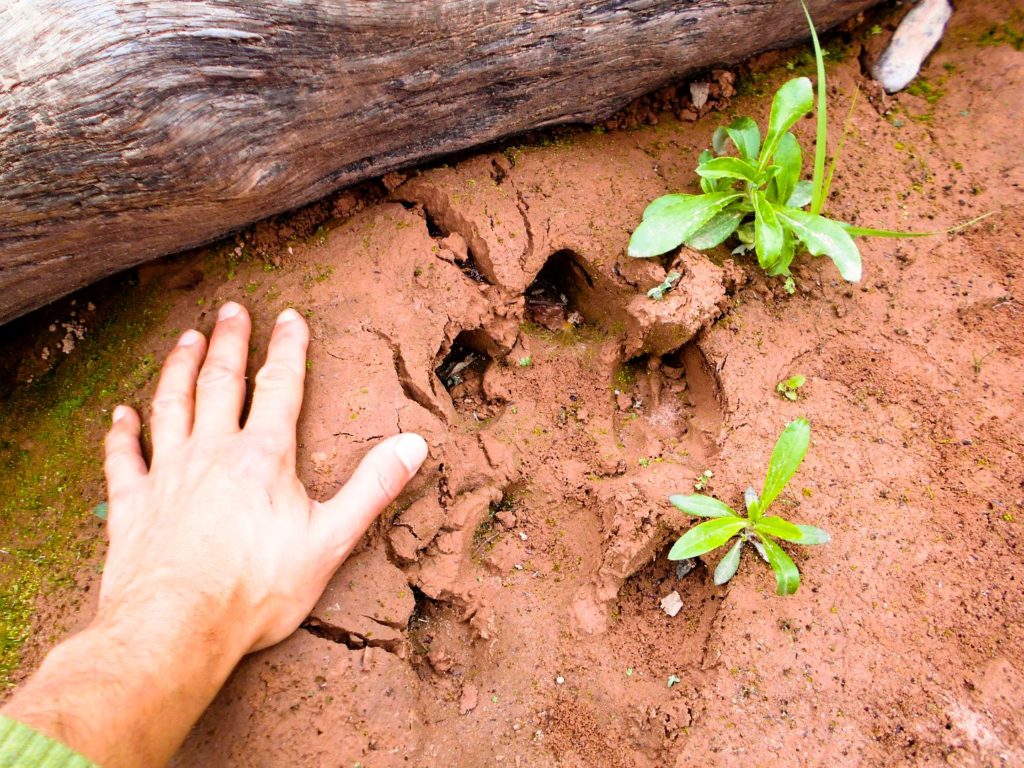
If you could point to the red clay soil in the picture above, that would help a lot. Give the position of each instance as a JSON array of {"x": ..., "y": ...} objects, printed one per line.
[{"x": 506, "y": 610}]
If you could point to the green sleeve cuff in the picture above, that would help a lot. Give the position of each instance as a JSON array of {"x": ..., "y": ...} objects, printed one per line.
[{"x": 23, "y": 747}]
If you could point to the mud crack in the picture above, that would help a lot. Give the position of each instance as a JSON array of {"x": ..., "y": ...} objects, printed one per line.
[{"x": 409, "y": 387}]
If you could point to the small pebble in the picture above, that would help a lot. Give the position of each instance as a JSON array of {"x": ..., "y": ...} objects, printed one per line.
[{"x": 672, "y": 603}]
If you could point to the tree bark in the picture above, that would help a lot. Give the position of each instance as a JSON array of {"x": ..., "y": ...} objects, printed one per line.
[{"x": 130, "y": 129}]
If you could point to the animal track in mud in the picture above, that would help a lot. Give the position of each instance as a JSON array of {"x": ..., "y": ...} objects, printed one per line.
[
  {"x": 454, "y": 243},
  {"x": 670, "y": 400},
  {"x": 462, "y": 371},
  {"x": 670, "y": 643},
  {"x": 554, "y": 297}
]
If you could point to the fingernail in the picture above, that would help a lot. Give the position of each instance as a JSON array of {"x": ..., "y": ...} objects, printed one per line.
[
  {"x": 287, "y": 316},
  {"x": 229, "y": 310},
  {"x": 119, "y": 413},
  {"x": 188, "y": 338},
  {"x": 411, "y": 450}
]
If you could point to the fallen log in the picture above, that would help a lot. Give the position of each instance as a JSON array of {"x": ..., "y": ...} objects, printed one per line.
[{"x": 130, "y": 129}]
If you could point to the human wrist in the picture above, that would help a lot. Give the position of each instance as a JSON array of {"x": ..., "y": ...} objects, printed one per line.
[{"x": 130, "y": 662}]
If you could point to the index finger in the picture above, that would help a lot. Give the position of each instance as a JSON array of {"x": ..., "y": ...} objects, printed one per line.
[{"x": 277, "y": 399}]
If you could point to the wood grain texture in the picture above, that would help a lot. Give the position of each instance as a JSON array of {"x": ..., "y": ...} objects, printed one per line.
[{"x": 130, "y": 129}]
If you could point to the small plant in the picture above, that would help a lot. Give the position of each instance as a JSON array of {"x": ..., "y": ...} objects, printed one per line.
[
  {"x": 759, "y": 196},
  {"x": 757, "y": 529},
  {"x": 658, "y": 292},
  {"x": 790, "y": 388},
  {"x": 703, "y": 480}
]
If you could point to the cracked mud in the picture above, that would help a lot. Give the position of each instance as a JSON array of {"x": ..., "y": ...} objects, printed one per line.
[{"x": 506, "y": 609}]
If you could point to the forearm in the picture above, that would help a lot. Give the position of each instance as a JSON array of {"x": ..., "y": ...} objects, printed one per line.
[{"x": 125, "y": 691}]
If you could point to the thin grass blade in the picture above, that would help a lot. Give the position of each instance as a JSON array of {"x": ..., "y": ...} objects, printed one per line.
[{"x": 821, "y": 133}]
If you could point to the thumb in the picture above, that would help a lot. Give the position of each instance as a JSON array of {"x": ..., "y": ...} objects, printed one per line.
[{"x": 379, "y": 478}]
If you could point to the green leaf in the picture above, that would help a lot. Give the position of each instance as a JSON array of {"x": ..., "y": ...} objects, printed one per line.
[
  {"x": 792, "y": 101},
  {"x": 789, "y": 452},
  {"x": 746, "y": 136},
  {"x": 672, "y": 223},
  {"x": 790, "y": 160},
  {"x": 700, "y": 505},
  {"x": 729, "y": 564},
  {"x": 728, "y": 168},
  {"x": 716, "y": 231},
  {"x": 781, "y": 267},
  {"x": 706, "y": 185},
  {"x": 659, "y": 204},
  {"x": 813, "y": 535},
  {"x": 768, "y": 233},
  {"x": 802, "y": 194},
  {"x": 718, "y": 139},
  {"x": 787, "y": 577},
  {"x": 101, "y": 509},
  {"x": 705, "y": 537},
  {"x": 825, "y": 237},
  {"x": 779, "y": 528}
]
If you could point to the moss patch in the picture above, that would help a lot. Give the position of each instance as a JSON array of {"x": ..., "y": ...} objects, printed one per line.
[
  {"x": 1009, "y": 32},
  {"x": 51, "y": 467}
]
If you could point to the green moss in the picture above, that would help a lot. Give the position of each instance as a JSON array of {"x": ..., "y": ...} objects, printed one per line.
[
  {"x": 927, "y": 90},
  {"x": 50, "y": 460},
  {"x": 1010, "y": 32}
]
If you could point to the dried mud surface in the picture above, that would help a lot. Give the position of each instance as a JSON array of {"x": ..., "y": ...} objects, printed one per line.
[{"x": 506, "y": 611}]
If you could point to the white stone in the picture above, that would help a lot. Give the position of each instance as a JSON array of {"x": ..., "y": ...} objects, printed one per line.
[
  {"x": 699, "y": 94},
  {"x": 915, "y": 38},
  {"x": 672, "y": 603}
]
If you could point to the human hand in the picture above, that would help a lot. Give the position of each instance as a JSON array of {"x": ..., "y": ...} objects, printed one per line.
[
  {"x": 215, "y": 548},
  {"x": 218, "y": 529}
]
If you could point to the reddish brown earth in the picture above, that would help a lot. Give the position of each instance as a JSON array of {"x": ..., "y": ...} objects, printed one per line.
[{"x": 506, "y": 610}]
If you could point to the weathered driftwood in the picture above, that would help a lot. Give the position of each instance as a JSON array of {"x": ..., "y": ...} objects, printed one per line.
[{"x": 130, "y": 129}]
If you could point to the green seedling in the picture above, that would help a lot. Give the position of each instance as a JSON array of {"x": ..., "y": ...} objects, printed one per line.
[
  {"x": 658, "y": 292},
  {"x": 525, "y": 362},
  {"x": 703, "y": 480},
  {"x": 789, "y": 388},
  {"x": 756, "y": 529},
  {"x": 759, "y": 196}
]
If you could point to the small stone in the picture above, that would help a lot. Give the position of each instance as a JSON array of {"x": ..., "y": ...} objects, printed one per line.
[
  {"x": 468, "y": 702},
  {"x": 559, "y": 680},
  {"x": 672, "y": 603},
  {"x": 507, "y": 518},
  {"x": 439, "y": 660},
  {"x": 319, "y": 460},
  {"x": 699, "y": 94},
  {"x": 523, "y": 536},
  {"x": 683, "y": 567},
  {"x": 915, "y": 38},
  {"x": 456, "y": 243}
]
